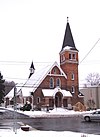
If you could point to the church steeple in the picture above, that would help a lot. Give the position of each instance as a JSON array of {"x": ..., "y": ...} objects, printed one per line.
[
  {"x": 68, "y": 41},
  {"x": 32, "y": 69},
  {"x": 69, "y": 61}
]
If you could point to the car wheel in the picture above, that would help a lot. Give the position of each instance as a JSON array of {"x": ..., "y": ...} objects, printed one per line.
[{"x": 87, "y": 118}]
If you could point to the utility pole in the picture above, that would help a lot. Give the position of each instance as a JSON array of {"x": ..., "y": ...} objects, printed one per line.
[{"x": 14, "y": 127}]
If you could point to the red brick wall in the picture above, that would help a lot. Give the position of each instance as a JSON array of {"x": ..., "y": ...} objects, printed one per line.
[
  {"x": 70, "y": 66},
  {"x": 46, "y": 82},
  {"x": 69, "y": 69}
]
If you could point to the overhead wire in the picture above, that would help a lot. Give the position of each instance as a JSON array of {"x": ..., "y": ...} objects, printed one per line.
[
  {"x": 23, "y": 62},
  {"x": 19, "y": 62},
  {"x": 90, "y": 51}
]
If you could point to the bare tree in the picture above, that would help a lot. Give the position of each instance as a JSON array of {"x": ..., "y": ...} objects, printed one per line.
[{"x": 93, "y": 79}]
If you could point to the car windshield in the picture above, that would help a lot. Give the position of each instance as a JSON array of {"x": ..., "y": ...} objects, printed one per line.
[{"x": 96, "y": 112}]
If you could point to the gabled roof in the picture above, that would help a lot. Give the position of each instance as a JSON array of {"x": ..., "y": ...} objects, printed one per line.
[
  {"x": 68, "y": 41},
  {"x": 36, "y": 79},
  {"x": 11, "y": 93}
]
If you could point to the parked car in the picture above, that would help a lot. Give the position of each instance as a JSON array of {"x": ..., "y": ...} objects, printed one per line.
[{"x": 95, "y": 115}]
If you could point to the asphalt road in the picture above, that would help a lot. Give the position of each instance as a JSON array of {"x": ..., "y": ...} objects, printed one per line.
[{"x": 75, "y": 124}]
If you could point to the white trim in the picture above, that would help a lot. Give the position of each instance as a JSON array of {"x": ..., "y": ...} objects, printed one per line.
[{"x": 52, "y": 92}]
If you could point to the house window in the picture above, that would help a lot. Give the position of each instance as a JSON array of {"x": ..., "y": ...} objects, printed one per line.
[
  {"x": 58, "y": 82},
  {"x": 51, "y": 82},
  {"x": 38, "y": 100},
  {"x": 73, "y": 89},
  {"x": 72, "y": 76}
]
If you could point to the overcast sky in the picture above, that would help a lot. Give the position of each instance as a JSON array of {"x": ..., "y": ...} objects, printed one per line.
[{"x": 34, "y": 30}]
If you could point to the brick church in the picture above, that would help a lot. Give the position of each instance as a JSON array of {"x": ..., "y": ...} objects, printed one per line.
[{"x": 55, "y": 85}]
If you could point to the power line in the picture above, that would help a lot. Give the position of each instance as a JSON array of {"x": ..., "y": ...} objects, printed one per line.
[
  {"x": 23, "y": 62},
  {"x": 90, "y": 51},
  {"x": 41, "y": 87},
  {"x": 14, "y": 78}
]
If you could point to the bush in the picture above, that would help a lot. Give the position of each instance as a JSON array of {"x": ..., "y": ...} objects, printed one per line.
[{"x": 26, "y": 107}]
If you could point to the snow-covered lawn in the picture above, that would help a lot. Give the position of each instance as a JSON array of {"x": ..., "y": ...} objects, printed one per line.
[
  {"x": 37, "y": 133},
  {"x": 52, "y": 113}
]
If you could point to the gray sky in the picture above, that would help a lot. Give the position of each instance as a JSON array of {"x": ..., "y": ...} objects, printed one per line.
[{"x": 34, "y": 30}]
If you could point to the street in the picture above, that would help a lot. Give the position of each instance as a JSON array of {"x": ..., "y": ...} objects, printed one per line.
[{"x": 75, "y": 124}]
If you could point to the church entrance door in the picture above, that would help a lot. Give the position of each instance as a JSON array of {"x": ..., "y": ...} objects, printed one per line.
[{"x": 58, "y": 99}]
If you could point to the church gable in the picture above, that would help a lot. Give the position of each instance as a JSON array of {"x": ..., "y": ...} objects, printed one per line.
[
  {"x": 53, "y": 78},
  {"x": 56, "y": 71}
]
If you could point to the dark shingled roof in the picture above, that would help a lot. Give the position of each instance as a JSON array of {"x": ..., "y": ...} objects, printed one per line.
[{"x": 68, "y": 38}]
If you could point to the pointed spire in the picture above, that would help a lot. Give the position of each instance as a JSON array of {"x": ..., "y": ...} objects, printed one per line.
[
  {"x": 68, "y": 38},
  {"x": 32, "y": 69}
]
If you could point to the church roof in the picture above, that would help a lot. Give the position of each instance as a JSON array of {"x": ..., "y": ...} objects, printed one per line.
[
  {"x": 35, "y": 80},
  {"x": 68, "y": 41}
]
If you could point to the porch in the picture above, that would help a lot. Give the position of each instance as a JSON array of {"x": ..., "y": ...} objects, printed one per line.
[{"x": 57, "y": 97}]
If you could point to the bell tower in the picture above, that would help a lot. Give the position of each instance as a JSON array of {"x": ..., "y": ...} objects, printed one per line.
[{"x": 69, "y": 62}]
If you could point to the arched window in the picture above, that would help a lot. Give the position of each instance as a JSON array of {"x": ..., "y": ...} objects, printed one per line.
[
  {"x": 58, "y": 82},
  {"x": 73, "y": 90},
  {"x": 54, "y": 70},
  {"x": 51, "y": 82},
  {"x": 38, "y": 100},
  {"x": 72, "y": 76},
  {"x": 62, "y": 58},
  {"x": 70, "y": 56},
  {"x": 74, "y": 56}
]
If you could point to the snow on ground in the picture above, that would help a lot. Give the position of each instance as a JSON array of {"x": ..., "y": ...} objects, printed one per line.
[
  {"x": 55, "y": 112},
  {"x": 37, "y": 133}
]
